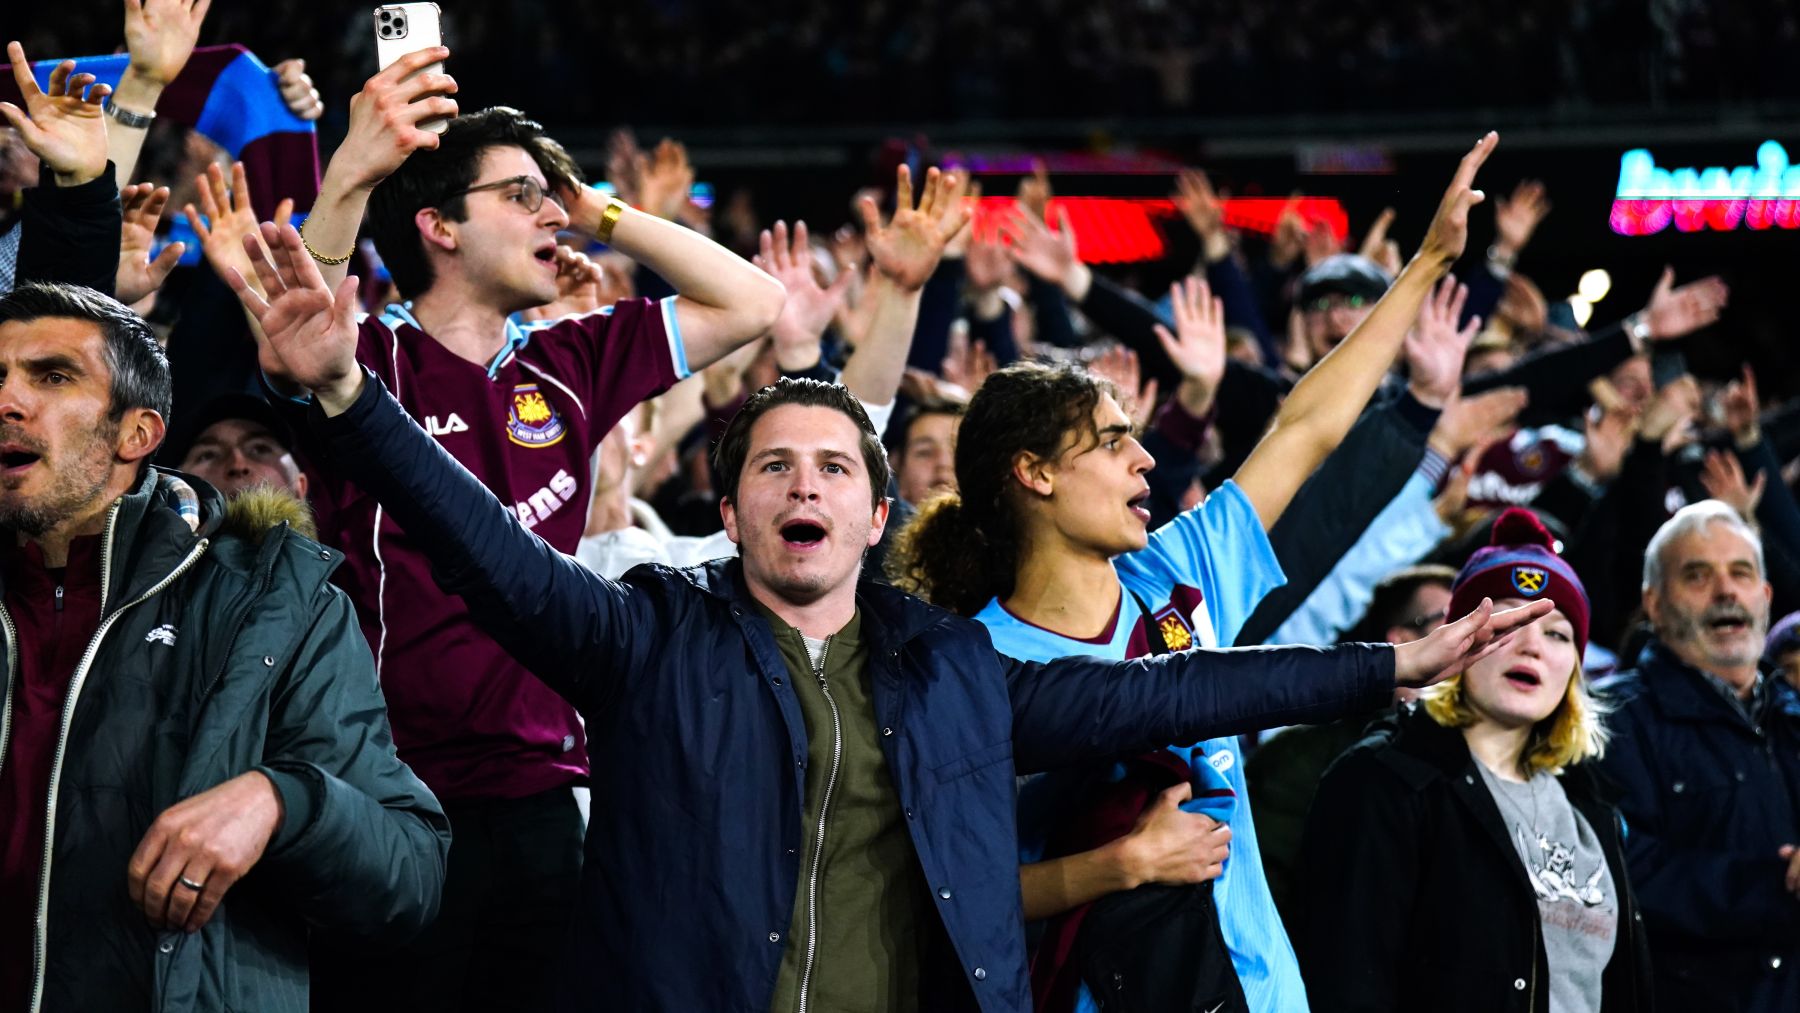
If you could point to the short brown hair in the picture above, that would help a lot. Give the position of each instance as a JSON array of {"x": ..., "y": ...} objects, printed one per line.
[{"x": 734, "y": 444}]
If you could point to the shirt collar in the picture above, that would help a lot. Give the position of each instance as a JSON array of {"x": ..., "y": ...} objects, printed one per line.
[{"x": 516, "y": 337}]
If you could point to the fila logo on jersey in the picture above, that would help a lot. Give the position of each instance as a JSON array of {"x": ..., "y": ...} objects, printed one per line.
[
  {"x": 532, "y": 421},
  {"x": 164, "y": 634},
  {"x": 541, "y": 504},
  {"x": 453, "y": 424}
]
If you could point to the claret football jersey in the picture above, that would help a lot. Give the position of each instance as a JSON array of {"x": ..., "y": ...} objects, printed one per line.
[{"x": 469, "y": 719}]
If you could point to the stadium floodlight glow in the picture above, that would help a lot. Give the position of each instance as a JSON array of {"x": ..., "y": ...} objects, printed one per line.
[
  {"x": 1584, "y": 310},
  {"x": 1762, "y": 196},
  {"x": 1594, "y": 285}
]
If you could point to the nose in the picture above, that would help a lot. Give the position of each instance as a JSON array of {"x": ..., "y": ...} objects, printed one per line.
[
  {"x": 553, "y": 214},
  {"x": 237, "y": 463},
  {"x": 803, "y": 487},
  {"x": 13, "y": 407},
  {"x": 1145, "y": 461}
]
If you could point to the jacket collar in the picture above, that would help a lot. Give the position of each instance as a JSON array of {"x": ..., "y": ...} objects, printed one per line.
[
  {"x": 1682, "y": 692},
  {"x": 890, "y": 617},
  {"x": 1425, "y": 750},
  {"x": 146, "y": 535}
]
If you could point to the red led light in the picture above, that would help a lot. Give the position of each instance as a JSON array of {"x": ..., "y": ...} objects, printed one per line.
[{"x": 1126, "y": 230}]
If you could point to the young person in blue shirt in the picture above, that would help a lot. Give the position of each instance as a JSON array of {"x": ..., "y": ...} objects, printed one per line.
[{"x": 1047, "y": 544}]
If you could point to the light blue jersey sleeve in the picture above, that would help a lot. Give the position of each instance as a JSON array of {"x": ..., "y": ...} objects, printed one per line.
[
  {"x": 1405, "y": 530},
  {"x": 1218, "y": 547}
]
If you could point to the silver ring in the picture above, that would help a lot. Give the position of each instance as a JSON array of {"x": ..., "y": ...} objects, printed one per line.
[{"x": 190, "y": 884}]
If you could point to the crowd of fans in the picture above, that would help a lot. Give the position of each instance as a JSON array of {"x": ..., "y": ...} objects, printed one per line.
[
  {"x": 1045, "y": 59},
  {"x": 495, "y": 592}
]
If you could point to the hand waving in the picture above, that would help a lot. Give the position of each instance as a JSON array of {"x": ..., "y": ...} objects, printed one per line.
[
  {"x": 1197, "y": 347},
  {"x": 64, "y": 126},
  {"x": 138, "y": 275},
  {"x": 810, "y": 307},
  {"x": 908, "y": 247},
  {"x": 310, "y": 328},
  {"x": 1449, "y": 230}
]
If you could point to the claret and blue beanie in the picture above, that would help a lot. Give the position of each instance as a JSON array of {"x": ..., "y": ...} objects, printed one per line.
[{"x": 1520, "y": 562}]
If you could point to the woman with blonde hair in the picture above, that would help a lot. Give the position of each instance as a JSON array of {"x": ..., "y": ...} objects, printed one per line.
[{"x": 1463, "y": 855}]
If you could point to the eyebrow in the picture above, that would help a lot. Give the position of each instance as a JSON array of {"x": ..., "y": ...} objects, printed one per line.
[
  {"x": 57, "y": 363},
  {"x": 828, "y": 454}
]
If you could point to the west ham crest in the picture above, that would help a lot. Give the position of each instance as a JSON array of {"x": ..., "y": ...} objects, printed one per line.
[{"x": 532, "y": 421}]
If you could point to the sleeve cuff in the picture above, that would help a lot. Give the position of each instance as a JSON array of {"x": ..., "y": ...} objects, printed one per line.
[
  {"x": 301, "y": 790},
  {"x": 97, "y": 191},
  {"x": 1420, "y": 416},
  {"x": 1434, "y": 467}
]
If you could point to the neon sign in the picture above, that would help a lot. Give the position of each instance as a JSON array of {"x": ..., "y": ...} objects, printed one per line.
[{"x": 1761, "y": 196}]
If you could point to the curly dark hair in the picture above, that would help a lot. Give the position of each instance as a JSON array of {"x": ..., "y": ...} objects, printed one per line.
[{"x": 962, "y": 548}]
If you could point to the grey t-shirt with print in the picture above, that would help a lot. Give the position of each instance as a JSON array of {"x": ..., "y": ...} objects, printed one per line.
[{"x": 1577, "y": 900}]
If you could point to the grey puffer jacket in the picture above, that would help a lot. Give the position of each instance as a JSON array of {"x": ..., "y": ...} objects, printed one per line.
[{"x": 220, "y": 651}]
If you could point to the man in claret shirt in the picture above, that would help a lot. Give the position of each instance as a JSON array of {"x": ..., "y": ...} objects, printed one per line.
[{"x": 466, "y": 222}]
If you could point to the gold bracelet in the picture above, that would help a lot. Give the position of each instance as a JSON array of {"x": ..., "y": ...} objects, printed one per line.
[
  {"x": 615, "y": 208},
  {"x": 320, "y": 257}
]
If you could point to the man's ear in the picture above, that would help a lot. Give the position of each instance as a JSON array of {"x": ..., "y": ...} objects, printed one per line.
[
  {"x": 141, "y": 431},
  {"x": 1652, "y": 601},
  {"x": 435, "y": 229},
  {"x": 1034, "y": 473},
  {"x": 879, "y": 521},
  {"x": 728, "y": 514}
]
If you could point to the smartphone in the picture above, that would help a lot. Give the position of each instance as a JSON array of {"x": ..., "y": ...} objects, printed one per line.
[{"x": 407, "y": 28}]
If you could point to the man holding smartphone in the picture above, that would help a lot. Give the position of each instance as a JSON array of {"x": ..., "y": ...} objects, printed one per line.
[{"x": 466, "y": 221}]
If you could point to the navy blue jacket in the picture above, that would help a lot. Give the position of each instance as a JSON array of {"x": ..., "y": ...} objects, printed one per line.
[
  {"x": 699, "y": 747},
  {"x": 1709, "y": 798}
]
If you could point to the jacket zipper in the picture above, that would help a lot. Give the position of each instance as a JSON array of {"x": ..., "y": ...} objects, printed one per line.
[
  {"x": 1537, "y": 946},
  {"x": 812, "y": 880},
  {"x": 12, "y": 665},
  {"x": 40, "y": 942}
]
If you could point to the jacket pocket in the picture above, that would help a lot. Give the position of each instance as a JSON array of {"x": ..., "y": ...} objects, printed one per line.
[{"x": 981, "y": 758}]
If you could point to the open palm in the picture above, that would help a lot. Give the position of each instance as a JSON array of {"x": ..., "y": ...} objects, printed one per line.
[
  {"x": 908, "y": 247},
  {"x": 311, "y": 331}
]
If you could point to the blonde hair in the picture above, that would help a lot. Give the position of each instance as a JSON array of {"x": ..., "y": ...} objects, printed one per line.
[{"x": 1574, "y": 732}]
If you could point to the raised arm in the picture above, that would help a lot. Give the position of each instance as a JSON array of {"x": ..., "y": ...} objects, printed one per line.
[
  {"x": 1327, "y": 400},
  {"x": 725, "y": 301},
  {"x": 905, "y": 251},
  {"x": 575, "y": 630},
  {"x": 160, "y": 36}
]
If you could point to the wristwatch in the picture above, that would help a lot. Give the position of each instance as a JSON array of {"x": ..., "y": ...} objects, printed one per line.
[
  {"x": 127, "y": 118},
  {"x": 1637, "y": 328}
]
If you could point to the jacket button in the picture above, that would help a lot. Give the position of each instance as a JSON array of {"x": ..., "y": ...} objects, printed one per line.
[
  {"x": 778, "y": 680},
  {"x": 268, "y": 661},
  {"x": 774, "y": 937},
  {"x": 887, "y": 731},
  {"x": 1678, "y": 787},
  {"x": 1774, "y": 963},
  {"x": 944, "y": 892},
  {"x": 324, "y": 553},
  {"x": 1469, "y": 778},
  {"x": 909, "y": 812},
  {"x": 1740, "y": 777},
  {"x": 801, "y": 763},
  {"x": 168, "y": 946},
  {"x": 1519, "y": 984},
  {"x": 981, "y": 974}
]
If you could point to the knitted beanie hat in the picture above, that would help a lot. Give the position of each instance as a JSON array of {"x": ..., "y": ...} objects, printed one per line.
[{"x": 1520, "y": 562}]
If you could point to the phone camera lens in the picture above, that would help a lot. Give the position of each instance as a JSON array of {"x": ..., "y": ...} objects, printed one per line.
[{"x": 386, "y": 15}]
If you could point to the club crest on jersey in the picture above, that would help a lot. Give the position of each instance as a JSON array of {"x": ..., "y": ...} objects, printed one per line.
[
  {"x": 1529, "y": 579},
  {"x": 1176, "y": 633},
  {"x": 532, "y": 421}
]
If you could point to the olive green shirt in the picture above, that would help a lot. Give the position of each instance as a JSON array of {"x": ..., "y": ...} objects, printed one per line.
[{"x": 868, "y": 892}]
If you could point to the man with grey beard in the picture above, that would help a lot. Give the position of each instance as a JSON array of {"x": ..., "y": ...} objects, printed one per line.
[{"x": 1711, "y": 775}]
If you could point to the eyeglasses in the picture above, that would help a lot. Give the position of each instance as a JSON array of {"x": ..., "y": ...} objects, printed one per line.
[
  {"x": 530, "y": 197},
  {"x": 1326, "y": 302}
]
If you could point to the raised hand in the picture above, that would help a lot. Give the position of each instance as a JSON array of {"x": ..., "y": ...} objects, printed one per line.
[
  {"x": 64, "y": 126},
  {"x": 1289, "y": 240},
  {"x": 1448, "y": 233},
  {"x": 664, "y": 178},
  {"x": 1435, "y": 347},
  {"x": 1723, "y": 478},
  {"x": 1675, "y": 312},
  {"x": 810, "y": 307},
  {"x": 1378, "y": 247},
  {"x": 225, "y": 218},
  {"x": 1518, "y": 216},
  {"x": 297, "y": 89},
  {"x": 967, "y": 364},
  {"x": 138, "y": 275},
  {"x": 1118, "y": 365},
  {"x": 1197, "y": 346},
  {"x": 1452, "y": 647},
  {"x": 1049, "y": 255},
  {"x": 1670, "y": 410},
  {"x": 1607, "y": 441},
  {"x": 580, "y": 286},
  {"x": 986, "y": 262},
  {"x": 1743, "y": 409},
  {"x": 1470, "y": 422},
  {"x": 1454, "y": 498},
  {"x": 1205, "y": 213},
  {"x": 385, "y": 117},
  {"x": 160, "y": 36},
  {"x": 908, "y": 247},
  {"x": 310, "y": 329},
  {"x": 206, "y": 842}
]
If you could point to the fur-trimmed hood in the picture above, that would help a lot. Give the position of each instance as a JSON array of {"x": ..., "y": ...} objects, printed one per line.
[{"x": 256, "y": 511}]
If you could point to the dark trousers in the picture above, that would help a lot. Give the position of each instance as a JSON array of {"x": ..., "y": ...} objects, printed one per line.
[{"x": 509, "y": 890}]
